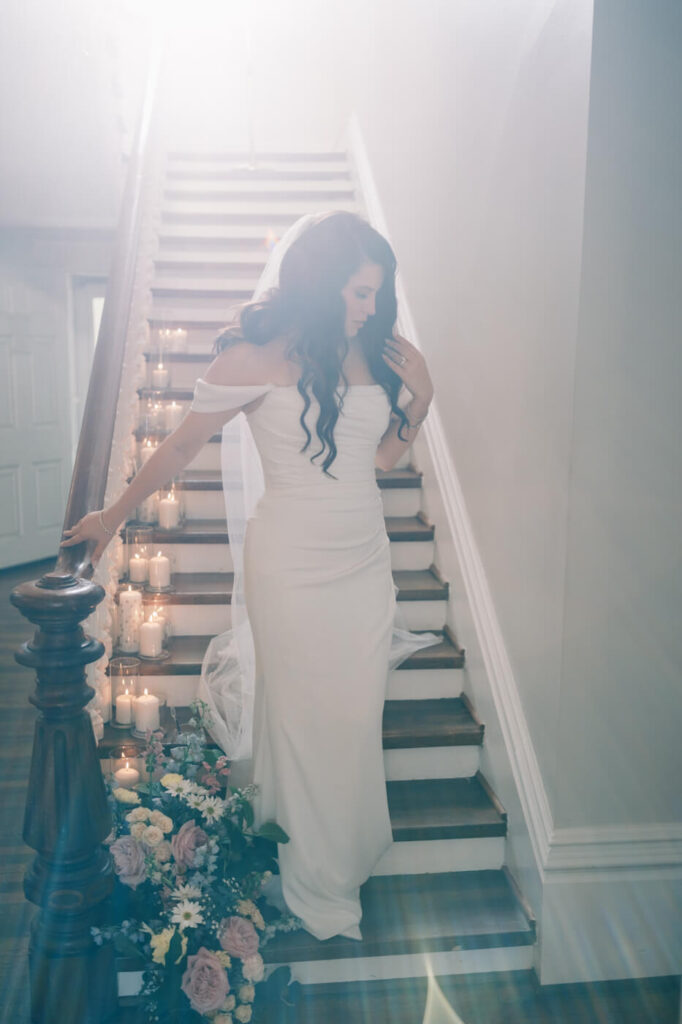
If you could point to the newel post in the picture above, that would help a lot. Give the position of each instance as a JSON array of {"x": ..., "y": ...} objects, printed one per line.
[{"x": 72, "y": 980}]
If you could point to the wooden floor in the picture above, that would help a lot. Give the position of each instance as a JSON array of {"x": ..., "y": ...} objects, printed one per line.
[{"x": 513, "y": 999}]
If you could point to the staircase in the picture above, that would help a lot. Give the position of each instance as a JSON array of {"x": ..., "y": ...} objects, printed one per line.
[{"x": 440, "y": 897}]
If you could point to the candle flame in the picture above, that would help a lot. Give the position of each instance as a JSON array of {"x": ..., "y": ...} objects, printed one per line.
[
  {"x": 127, "y": 764},
  {"x": 126, "y": 693},
  {"x": 146, "y": 692}
]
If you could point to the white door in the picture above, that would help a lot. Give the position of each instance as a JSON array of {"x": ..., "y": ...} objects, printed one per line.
[{"x": 35, "y": 443}]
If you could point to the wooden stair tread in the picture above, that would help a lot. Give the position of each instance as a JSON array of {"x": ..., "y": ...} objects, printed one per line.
[
  {"x": 214, "y": 531},
  {"x": 187, "y": 654},
  {"x": 431, "y": 722},
  {"x": 225, "y": 288},
  {"x": 216, "y": 587},
  {"x": 420, "y": 914},
  {"x": 211, "y": 479},
  {"x": 426, "y": 725},
  {"x": 423, "y": 809}
]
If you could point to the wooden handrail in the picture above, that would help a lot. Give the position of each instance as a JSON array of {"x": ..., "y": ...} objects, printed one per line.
[{"x": 89, "y": 477}]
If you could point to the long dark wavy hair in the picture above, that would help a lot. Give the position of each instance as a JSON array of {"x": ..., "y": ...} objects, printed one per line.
[{"x": 308, "y": 306}]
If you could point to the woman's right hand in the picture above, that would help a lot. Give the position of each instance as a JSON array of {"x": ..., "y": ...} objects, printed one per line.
[{"x": 88, "y": 528}]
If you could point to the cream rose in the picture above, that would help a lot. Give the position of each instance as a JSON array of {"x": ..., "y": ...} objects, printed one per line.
[
  {"x": 253, "y": 968},
  {"x": 152, "y": 835}
]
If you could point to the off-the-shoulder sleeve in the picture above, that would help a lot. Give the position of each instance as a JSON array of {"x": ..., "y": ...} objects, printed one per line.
[{"x": 223, "y": 397}]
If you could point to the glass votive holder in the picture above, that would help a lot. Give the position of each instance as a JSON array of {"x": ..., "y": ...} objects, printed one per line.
[
  {"x": 160, "y": 376},
  {"x": 124, "y": 674},
  {"x": 138, "y": 548},
  {"x": 130, "y": 617},
  {"x": 147, "y": 448},
  {"x": 160, "y": 572},
  {"x": 147, "y": 711},
  {"x": 173, "y": 415},
  {"x": 154, "y": 415},
  {"x": 156, "y": 611},
  {"x": 170, "y": 508},
  {"x": 148, "y": 511},
  {"x": 153, "y": 636},
  {"x": 126, "y": 769}
]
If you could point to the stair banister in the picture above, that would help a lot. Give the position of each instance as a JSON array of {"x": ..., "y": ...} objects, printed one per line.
[{"x": 67, "y": 817}]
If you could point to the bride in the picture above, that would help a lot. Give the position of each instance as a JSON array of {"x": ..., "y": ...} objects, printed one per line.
[{"x": 313, "y": 362}]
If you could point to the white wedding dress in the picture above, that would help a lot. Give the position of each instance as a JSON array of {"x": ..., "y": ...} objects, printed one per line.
[{"x": 321, "y": 605}]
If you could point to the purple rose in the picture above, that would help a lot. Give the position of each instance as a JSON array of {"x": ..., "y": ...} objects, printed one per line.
[
  {"x": 185, "y": 844},
  {"x": 129, "y": 861},
  {"x": 238, "y": 937},
  {"x": 205, "y": 981}
]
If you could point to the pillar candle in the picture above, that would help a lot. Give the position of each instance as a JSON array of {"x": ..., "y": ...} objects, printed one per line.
[
  {"x": 159, "y": 571},
  {"x": 160, "y": 377},
  {"x": 146, "y": 451},
  {"x": 129, "y": 619},
  {"x": 169, "y": 512},
  {"x": 138, "y": 568},
  {"x": 172, "y": 415},
  {"x": 127, "y": 777},
  {"x": 124, "y": 708},
  {"x": 151, "y": 639},
  {"x": 146, "y": 712}
]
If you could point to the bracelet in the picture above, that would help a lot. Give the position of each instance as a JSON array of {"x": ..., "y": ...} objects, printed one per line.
[{"x": 106, "y": 529}]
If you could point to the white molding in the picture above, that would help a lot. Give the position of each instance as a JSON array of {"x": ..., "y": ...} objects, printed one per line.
[{"x": 614, "y": 847}]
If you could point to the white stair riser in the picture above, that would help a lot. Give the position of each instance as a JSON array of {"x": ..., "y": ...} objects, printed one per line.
[
  {"x": 425, "y": 856},
  {"x": 225, "y": 161},
  {"x": 182, "y": 270},
  {"x": 209, "y": 458},
  {"x": 209, "y": 306},
  {"x": 210, "y": 619},
  {"x": 405, "y": 555},
  {"x": 263, "y": 207},
  {"x": 407, "y": 763},
  {"x": 404, "y": 501},
  {"x": 171, "y": 233},
  {"x": 198, "y": 189},
  {"x": 403, "y": 684},
  {"x": 411, "y": 965},
  {"x": 384, "y": 968},
  {"x": 186, "y": 558}
]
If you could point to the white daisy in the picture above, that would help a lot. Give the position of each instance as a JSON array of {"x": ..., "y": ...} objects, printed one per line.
[
  {"x": 212, "y": 808},
  {"x": 187, "y": 915},
  {"x": 186, "y": 891},
  {"x": 195, "y": 800}
]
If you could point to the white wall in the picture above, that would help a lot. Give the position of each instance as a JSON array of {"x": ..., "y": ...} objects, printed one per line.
[
  {"x": 38, "y": 381},
  {"x": 619, "y": 756},
  {"x": 475, "y": 119}
]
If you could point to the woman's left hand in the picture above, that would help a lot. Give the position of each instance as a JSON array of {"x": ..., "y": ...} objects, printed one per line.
[{"x": 410, "y": 365}]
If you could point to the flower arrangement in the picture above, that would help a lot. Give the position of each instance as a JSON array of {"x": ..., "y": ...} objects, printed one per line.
[{"x": 188, "y": 904}]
